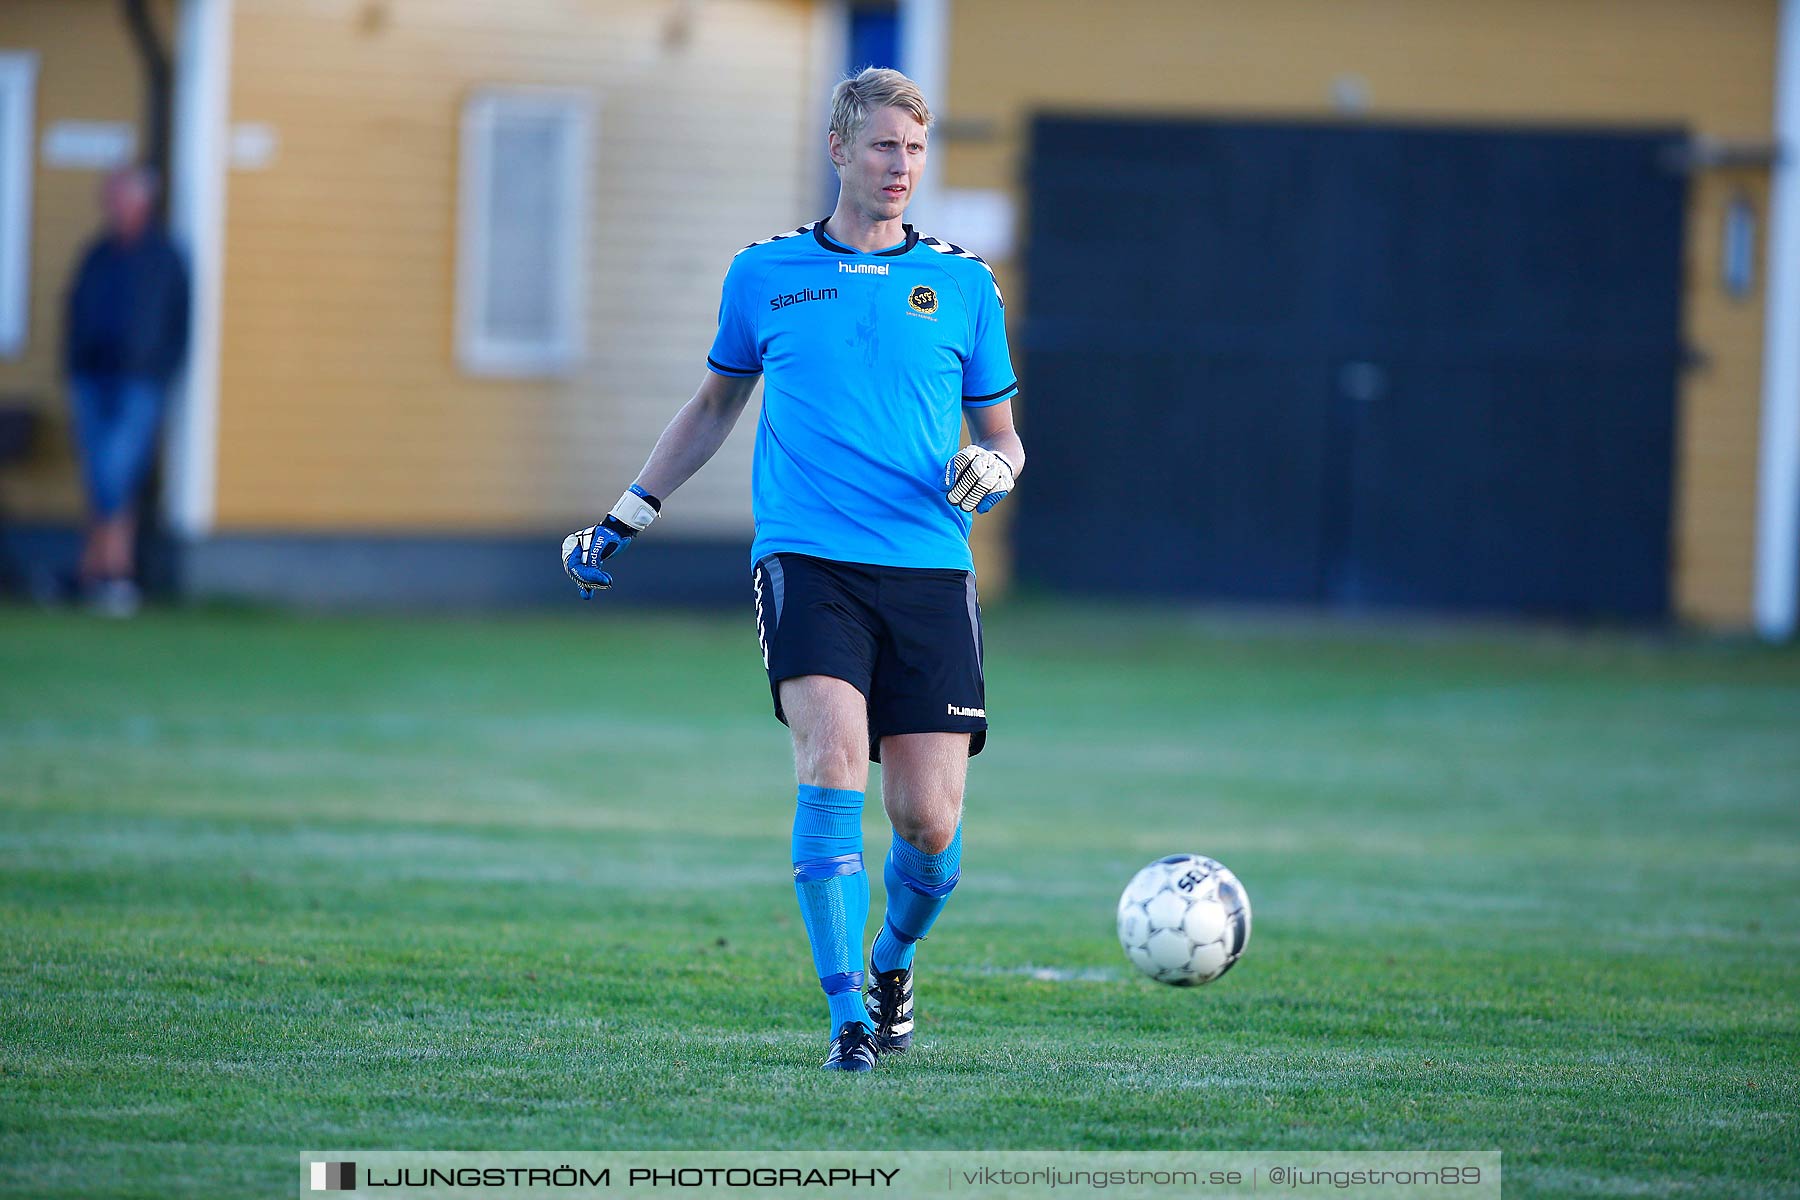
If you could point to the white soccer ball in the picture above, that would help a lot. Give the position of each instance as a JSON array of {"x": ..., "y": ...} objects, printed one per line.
[{"x": 1184, "y": 920}]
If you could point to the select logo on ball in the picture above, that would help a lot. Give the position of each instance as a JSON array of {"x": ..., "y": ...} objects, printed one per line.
[
  {"x": 923, "y": 300},
  {"x": 1184, "y": 920}
]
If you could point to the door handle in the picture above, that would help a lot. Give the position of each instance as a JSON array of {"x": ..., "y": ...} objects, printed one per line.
[{"x": 1362, "y": 381}]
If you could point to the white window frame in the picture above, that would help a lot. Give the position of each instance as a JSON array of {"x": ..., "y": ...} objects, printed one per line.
[
  {"x": 18, "y": 79},
  {"x": 477, "y": 352}
]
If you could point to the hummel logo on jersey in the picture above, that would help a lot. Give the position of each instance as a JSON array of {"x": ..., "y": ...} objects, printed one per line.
[
  {"x": 801, "y": 297},
  {"x": 956, "y": 710},
  {"x": 845, "y": 268}
]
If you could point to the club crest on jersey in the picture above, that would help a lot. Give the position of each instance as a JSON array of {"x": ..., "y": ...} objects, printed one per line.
[{"x": 923, "y": 301}]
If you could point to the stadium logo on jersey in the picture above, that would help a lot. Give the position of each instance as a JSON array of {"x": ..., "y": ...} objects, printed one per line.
[
  {"x": 845, "y": 268},
  {"x": 801, "y": 297},
  {"x": 923, "y": 301}
]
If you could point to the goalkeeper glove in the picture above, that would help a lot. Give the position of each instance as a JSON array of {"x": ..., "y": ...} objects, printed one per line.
[
  {"x": 583, "y": 552},
  {"x": 977, "y": 479}
]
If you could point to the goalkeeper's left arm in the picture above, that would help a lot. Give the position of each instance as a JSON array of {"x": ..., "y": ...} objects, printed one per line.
[
  {"x": 983, "y": 472},
  {"x": 690, "y": 440}
]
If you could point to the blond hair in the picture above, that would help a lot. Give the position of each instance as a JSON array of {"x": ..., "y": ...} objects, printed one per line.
[{"x": 868, "y": 91}]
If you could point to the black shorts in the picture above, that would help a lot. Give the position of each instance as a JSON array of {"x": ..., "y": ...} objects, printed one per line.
[{"x": 907, "y": 638}]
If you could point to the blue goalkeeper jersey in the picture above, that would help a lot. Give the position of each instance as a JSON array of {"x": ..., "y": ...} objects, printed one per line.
[{"x": 868, "y": 361}]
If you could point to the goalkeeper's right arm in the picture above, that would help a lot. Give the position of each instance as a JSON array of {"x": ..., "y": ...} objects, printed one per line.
[
  {"x": 691, "y": 439},
  {"x": 696, "y": 433}
]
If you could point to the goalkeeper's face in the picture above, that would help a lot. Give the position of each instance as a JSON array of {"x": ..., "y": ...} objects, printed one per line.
[{"x": 881, "y": 166}]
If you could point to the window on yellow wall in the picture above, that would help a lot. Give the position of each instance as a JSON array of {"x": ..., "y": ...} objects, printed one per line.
[
  {"x": 522, "y": 224},
  {"x": 18, "y": 84}
]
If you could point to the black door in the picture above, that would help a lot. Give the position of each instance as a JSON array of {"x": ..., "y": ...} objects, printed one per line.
[{"x": 1351, "y": 365}]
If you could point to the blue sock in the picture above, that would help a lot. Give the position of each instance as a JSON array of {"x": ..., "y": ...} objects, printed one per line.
[
  {"x": 834, "y": 894},
  {"x": 918, "y": 887}
]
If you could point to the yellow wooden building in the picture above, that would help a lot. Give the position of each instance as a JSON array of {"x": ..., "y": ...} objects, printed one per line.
[
  {"x": 361, "y": 185},
  {"x": 365, "y": 188}
]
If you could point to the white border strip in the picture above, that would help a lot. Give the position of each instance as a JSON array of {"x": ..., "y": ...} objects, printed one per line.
[
  {"x": 1778, "y": 477},
  {"x": 197, "y": 220},
  {"x": 829, "y": 36},
  {"x": 18, "y": 78},
  {"x": 925, "y": 57}
]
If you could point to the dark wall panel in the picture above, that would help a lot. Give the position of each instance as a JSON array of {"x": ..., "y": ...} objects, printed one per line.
[{"x": 1352, "y": 365}]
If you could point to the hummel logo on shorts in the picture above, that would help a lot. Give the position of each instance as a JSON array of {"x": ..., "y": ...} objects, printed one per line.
[{"x": 956, "y": 710}]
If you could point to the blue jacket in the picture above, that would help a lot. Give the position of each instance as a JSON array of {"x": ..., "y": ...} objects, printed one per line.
[{"x": 128, "y": 309}]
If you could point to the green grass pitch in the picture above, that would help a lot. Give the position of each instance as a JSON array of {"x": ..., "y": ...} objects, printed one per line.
[{"x": 270, "y": 884}]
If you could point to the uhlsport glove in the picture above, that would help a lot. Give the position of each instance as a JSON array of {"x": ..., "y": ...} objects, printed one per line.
[
  {"x": 583, "y": 552},
  {"x": 977, "y": 479}
]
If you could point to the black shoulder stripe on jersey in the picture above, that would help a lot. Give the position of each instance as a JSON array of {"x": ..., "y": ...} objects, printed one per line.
[
  {"x": 943, "y": 247},
  {"x": 806, "y": 228}
]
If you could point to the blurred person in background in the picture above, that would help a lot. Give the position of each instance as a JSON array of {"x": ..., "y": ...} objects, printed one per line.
[
  {"x": 125, "y": 338},
  {"x": 875, "y": 345}
]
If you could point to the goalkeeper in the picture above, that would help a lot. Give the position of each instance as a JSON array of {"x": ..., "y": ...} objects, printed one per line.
[{"x": 874, "y": 345}]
